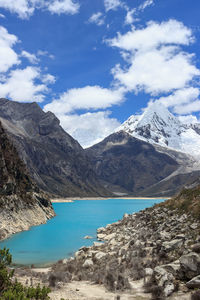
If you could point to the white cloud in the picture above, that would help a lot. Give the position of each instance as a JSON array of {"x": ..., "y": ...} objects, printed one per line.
[
  {"x": 8, "y": 56},
  {"x": 189, "y": 119},
  {"x": 187, "y": 108},
  {"x": 63, "y": 7},
  {"x": 48, "y": 79},
  {"x": 153, "y": 35},
  {"x": 89, "y": 97},
  {"x": 31, "y": 57},
  {"x": 97, "y": 19},
  {"x": 156, "y": 63},
  {"x": 21, "y": 85},
  {"x": 112, "y": 4},
  {"x": 89, "y": 128},
  {"x": 130, "y": 16},
  {"x": 146, "y": 4},
  {"x": 2, "y": 16},
  {"x": 180, "y": 97},
  {"x": 25, "y": 8},
  {"x": 45, "y": 53}
]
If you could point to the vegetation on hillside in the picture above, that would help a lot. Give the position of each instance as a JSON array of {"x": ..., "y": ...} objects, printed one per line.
[{"x": 188, "y": 200}]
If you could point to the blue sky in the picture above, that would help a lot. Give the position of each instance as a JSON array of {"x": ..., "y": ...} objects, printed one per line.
[{"x": 96, "y": 62}]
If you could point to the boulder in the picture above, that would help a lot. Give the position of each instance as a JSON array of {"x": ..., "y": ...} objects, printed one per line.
[
  {"x": 164, "y": 280},
  {"x": 171, "y": 245},
  {"x": 100, "y": 255},
  {"x": 88, "y": 263},
  {"x": 194, "y": 283},
  {"x": 190, "y": 265}
]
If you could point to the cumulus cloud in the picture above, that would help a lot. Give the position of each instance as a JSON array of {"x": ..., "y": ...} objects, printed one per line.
[
  {"x": 97, "y": 19},
  {"x": 31, "y": 57},
  {"x": 89, "y": 128},
  {"x": 180, "y": 97},
  {"x": 153, "y": 36},
  {"x": 8, "y": 56},
  {"x": 189, "y": 119},
  {"x": 63, "y": 7},
  {"x": 112, "y": 4},
  {"x": 25, "y": 8},
  {"x": 22, "y": 85},
  {"x": 156, "y": 63},
  {"x": 187, "y": 108},
  {"x": 2, "y": 16},
  {"x": 89, "y": 97}
]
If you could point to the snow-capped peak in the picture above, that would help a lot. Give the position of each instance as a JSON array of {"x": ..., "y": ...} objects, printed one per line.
[{"x": 158, "y": 126}]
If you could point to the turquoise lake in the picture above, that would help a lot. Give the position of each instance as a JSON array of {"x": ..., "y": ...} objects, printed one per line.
[{"x": 64, "y": 234}]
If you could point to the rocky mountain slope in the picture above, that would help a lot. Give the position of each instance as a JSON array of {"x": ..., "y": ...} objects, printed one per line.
[
  {"x": 55, "y": 161},
  {"x": 22, "y": 204},
  {"x": 158, "y": 126},
  {"x": 128, "y": 165}
]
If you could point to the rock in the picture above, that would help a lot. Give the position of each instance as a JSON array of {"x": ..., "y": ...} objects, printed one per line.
[
  {"x": 97, "y": 244},
  {"x": 88, "y": 263},
  {"x": 87, "y": 237},
  {"x": 164, "y": 280},
  {"x": 100, "y": 255},
  {"x": 194, "y": 283},
  {"x": 196, "y": 248},
  {"x": 109, "y": 236},
  {"x": 101, "y": 230},
  {"x": 101, "y": 236},
  {"x": 148, "y": 271},
  {"x": 165, "y": 235},
  {"x": 173, "y": 268},
  {"x": 194, "y": 226},
  {"x": 190, "y": 265},
  {"x": 171, "y": 245}
]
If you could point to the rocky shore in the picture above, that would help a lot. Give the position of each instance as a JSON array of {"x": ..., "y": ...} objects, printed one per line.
[
  {"x": 18, "y": 216},
  {"x": 159, "y": 247}
]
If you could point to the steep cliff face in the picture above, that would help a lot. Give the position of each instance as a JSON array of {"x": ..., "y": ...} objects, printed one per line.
[
  {"x": 56, "y": 162},
  {"x": 22, "y": 204}
]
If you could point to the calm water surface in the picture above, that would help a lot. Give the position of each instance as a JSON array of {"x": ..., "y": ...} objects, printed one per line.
[{"x": 64, "y": 234}]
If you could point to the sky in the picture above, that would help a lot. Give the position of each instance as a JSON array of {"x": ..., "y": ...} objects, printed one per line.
[{"x": 93, "y": 63}]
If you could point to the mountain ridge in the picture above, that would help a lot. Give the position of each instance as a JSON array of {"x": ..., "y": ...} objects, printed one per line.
[
  {"x": 55, "y": 161},
  {"x": 158, "y": 126}
]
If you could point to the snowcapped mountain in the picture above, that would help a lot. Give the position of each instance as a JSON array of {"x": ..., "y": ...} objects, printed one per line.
[{"x": 158, "y": 126}]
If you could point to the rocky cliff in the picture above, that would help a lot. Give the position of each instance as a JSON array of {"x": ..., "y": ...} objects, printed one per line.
[
  {"x": 55, "y": 161},
  {"x": 22, "y": 204}
]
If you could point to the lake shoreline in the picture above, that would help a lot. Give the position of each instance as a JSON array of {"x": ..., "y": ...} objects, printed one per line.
[{"x": 72, "y": 199}]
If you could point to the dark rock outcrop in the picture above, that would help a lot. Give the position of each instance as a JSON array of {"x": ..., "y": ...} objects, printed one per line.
[
  {"x": 55, "y": 161},
  {"x": 130, "y": 165},
  {"x": 22, "y": 204}
]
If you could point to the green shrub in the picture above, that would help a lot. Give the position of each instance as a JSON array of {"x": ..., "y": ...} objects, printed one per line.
[{"x": 13, "y": 290}]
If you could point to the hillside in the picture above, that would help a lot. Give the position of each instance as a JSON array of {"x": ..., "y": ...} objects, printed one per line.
[
  {"x": 128, "y": 165},
  {"x": 22, "y": 204},
  {"x": 55, "y": 161}
]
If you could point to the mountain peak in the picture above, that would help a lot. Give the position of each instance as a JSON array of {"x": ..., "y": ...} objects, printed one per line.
[{"x": 157, "y": 125}]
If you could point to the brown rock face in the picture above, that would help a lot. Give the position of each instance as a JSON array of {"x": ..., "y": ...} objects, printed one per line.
[{"x": 22, "y": 204}]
